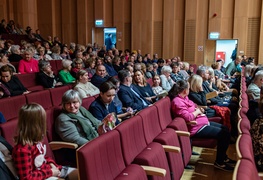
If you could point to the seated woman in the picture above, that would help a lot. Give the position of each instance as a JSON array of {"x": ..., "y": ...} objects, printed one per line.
[
  {"x": 64, "y": 74},
  {"x": 84, "y": 87},
  {"x": 41, "y": 54},
  {"x": 11, "y": 82},
  {"x": 144, "y": 88},
  {"x": 78, "y": 66},
  {"x": 76, "y": 124},
  {"x": 4, "y": 61},
  {"x": 46, "y": 77},
  {"x": 28, "y": 64},
  {"x": 202, "y": 128},
  {"x": 90, "y": 67},
  {"x": 167, "y": 82},
  {"x": 103, "y": 105}
]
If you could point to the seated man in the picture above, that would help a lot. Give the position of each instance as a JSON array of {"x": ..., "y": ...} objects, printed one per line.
[
  {"x": 129, "y": 94},
  {"x": 100, "y": 76}
]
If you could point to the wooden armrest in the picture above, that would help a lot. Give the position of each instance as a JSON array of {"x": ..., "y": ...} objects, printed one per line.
[
  {"x": 168, "y": 148},
  {"x": 260, "y": 174},
  {"x": 154, "y": 171},
  {"x": 182, "y": 133},
  {"x": 55, "y": 145},
  {"x": 192, "y": 122},
  {"x": 211, "y": 95}
]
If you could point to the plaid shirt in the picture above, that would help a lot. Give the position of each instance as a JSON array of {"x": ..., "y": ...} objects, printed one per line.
[{"x": 24, "y": 159}]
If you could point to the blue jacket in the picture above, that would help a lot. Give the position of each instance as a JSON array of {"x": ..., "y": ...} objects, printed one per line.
[
  {"x": 129, "y": 99},
  {"x": 98, "y": 80}
]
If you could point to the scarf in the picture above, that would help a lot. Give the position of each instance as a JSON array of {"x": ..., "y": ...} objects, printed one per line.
[{"x": 87, "y": 128}]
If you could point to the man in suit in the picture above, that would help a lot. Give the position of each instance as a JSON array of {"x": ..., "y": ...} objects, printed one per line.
[
  {"x": 128, "y": 94},
  {"x": 100, "y": 76}
]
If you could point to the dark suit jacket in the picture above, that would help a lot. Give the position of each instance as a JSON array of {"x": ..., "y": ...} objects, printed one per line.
[
  {"x": 129, "y": 99},
  {"x": 97, "y": 80}
]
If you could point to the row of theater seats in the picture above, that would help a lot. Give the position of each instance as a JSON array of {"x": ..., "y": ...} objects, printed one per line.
[
  {"x": 245, "y": 167},
  {"x": 30, "y": 80}
]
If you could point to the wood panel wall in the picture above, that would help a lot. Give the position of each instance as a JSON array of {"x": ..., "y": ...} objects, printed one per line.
[{"x": 167, "y": 27}]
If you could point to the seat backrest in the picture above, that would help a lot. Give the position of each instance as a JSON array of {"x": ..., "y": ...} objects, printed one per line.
[
  {"x": 8, "y": 129},
  {"x": 41, "y": 97},
  {"x": 132, "y": 138},
  {"x": 30, "y": 81},
  {"x": 101, "y": 158},
  {"x": 57, "y": 93},
  {"x": 86, "y": 102},
  {"x": 58, "y": 64},
  {"x": 150, "y": 123},
  {"x": 150, "y": 81},
  {"x": 52, "y": 114},
  {"x": 245, "y": 169},
  {"x": 11, "y": 106},
  {"x": 164, "y": 113},
  {"x": 54, "y": 66}
]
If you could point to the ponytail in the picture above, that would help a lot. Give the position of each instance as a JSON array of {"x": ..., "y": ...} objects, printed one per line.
[{"x": 177, "y": 88}]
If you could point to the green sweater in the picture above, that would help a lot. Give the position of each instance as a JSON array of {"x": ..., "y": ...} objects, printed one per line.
[{"x": 66, "y": 77}]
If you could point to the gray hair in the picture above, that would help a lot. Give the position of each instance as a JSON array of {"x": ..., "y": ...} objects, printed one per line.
[
  {"x": 66, "y": 63},
  {"x": 42, "y": 64},
  {"x": 167, "y": 69},
  {"x": 14, "y": 49},
  {"x": 201, "y": 70},
  {"x": 69, "y": 96},
  {"x": 258, "y": 75}
]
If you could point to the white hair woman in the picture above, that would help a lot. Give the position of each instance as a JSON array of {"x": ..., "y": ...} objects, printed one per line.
[{"x": 167, "y": 82}]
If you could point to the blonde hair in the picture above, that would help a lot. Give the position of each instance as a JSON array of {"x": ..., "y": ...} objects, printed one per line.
[
  {"x": 31, "y": 127},
  {"x": 195, "y": 82}
]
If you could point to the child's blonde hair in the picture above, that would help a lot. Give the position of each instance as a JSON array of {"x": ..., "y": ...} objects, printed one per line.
[{"x": 31, "y": 125}]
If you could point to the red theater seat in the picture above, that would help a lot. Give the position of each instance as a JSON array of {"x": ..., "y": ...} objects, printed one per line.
[
  {"x": 102, "y": 159},
  {"x": 153, "y": 132},
  {"x": 10, "y": 106},
  {"x": 41, "y": 97},
  {"x": 30, "y": 81},
  {"x": 86, "y": 102},
  {"x": 244, "y": 170},
  {"x": 136, "y": 150},
  {"x": 57, "y": 93},
  {"x": 163, "y": 108}
]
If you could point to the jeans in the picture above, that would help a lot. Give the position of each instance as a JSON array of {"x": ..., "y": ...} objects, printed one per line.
[{"x": 219, "y": 132}]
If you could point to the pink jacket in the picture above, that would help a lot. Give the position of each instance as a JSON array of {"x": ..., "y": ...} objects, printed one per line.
[
  {"x": 184, "y": 108},
  {"x": 25, "y": 67}
]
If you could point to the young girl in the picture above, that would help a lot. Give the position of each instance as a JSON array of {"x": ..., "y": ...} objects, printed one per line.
[
  {"x": 157, "y": 89},
  {"x": 29, "y": 153}
]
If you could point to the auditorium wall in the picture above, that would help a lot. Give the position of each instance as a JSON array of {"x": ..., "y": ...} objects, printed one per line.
[{"x": 167, "y": 27}]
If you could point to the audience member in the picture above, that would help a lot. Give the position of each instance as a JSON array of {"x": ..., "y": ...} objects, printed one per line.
[
  {"x": 29, "y": 153},
  {"x": 143, "y": 87},
  {"x": 103, "y": 104},
  {"x": 175, "y": 75},
  {"x": 129, "y": 94},
  {"x": 15, "y": 54},
  {"x": 100, "y": 76},
  {"x": 202, "y": 128},
  {"x": 84, "y": 87},
  {"x": 234, "y": 68},
  {"x": 76, "y": 124},
  {"x": 78, "y": 66},
  {"x": 12, "y": 83},
  {"x": 90, "y": 67},
  {"x": 28, "y": 64},
  {"x": 4, "y": 61},
  {"x": 167, "y": 82},
  {"x": 109, "y": 67},
  {"x": 56, "y": 53},
  {"x": 64, "y": 74},
  {"x": 46, "y": 76},
  {"x": 41, "y": 54}
]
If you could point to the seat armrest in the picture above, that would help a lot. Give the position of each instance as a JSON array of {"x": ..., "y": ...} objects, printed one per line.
[
  {"x": 154, "y": 171},
  {"x": 168, "y": 148},
  {"x": 182, "y": 133},
  {"x": 55, "y": 145}
]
